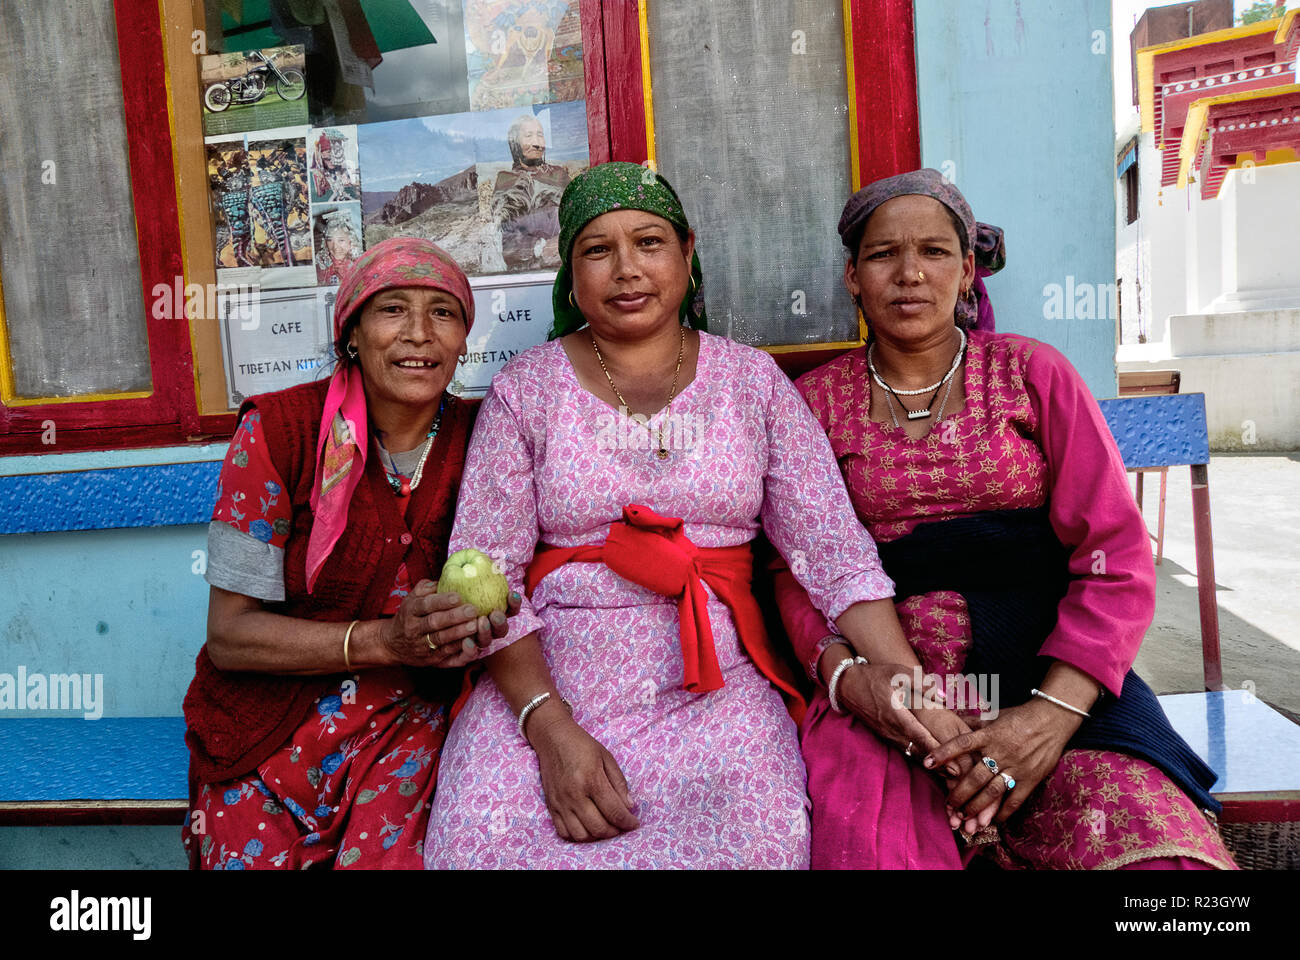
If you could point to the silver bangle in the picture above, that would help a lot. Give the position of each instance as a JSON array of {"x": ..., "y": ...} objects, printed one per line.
[
  {"x": 1060, "y": 703},
  {"x": 533, "y": 704},
  {"x": 835, "y": 679}
]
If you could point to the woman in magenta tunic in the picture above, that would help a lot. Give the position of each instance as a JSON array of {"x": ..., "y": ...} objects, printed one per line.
[
  {"x": 676, "y": 750},
  {"x": 983, "y": 467}
]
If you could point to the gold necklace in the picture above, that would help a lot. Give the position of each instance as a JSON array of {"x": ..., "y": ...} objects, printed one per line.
[{"x": 662, "y": 452}]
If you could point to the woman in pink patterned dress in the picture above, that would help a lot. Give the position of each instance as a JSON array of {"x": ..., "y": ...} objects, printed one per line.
[
  {"x": 983, "y": 467},
  {"x": 633, "y": 716}
]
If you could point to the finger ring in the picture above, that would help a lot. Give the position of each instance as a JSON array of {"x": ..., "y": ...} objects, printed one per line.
[
  {"x": 1008, "y": 780},
  {"x": 908, "y": 751},
  {"x": 990, "y": 763},
  {"x": 429, "y": 640}
]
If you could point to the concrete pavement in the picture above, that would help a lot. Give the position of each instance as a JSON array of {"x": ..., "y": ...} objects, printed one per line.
[{"x": 1255, "y": 516}]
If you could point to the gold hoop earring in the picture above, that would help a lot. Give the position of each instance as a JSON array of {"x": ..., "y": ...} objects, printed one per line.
[
  {"x": 694, "y": 286},
  {"x": 571, "y": 300},
  {"x": 352, "y": 351}
]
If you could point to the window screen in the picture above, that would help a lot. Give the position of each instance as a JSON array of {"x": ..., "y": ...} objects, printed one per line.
[
  {"x": 366, "y": 60},
  {"x": 752, "y": 128},
  {"x": 69, "y": 264}
]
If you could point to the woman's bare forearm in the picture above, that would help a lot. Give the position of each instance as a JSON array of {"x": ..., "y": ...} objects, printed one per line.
[
  {"x": 872, "y": 628},
  {"x": 245, "y": 636},
  {"x": 521, "y": 673}
]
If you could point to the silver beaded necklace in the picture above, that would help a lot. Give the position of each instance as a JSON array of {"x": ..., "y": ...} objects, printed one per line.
[{"x": 924, "y": 412}]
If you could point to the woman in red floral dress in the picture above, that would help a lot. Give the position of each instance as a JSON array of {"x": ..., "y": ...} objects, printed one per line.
[{"x": 314, "y": 721}]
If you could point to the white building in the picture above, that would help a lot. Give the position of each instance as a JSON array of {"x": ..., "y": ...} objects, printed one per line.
[{"x": 1211, "y": 287}]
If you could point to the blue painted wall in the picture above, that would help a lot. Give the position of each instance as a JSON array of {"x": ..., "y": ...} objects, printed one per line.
[
  {"x": 1018, "y": 105},
  {"x": 128, "y": 603},
  {"x": 123, "y": 603}
]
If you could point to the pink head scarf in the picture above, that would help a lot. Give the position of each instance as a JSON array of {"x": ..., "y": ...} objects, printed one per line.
[{"x": 344, "y": 426}]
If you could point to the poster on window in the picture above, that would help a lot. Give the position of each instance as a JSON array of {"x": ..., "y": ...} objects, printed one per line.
[
  {"x": 510, "y": 315},
  {"x": 256, "y": 90},
  {"x": 335, "y": 173},
  {"x": 273, "y": 339},
  {"x": 485, "y": 186},
  {"x": 261, "y": 210},
  {"x": 336, "y": 232},
  {"x": 521, "y": 52}
]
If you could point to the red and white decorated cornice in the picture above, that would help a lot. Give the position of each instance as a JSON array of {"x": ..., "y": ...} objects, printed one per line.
[{"x": 1195, "y": 85}]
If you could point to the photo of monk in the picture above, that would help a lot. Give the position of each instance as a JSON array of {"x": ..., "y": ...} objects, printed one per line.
[
  {"x": 526, "y": 199},
  {"x": 485, "y": 186}
]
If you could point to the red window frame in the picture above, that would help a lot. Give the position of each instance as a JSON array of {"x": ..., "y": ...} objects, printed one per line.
[
  {"x": 887, "y": 136},
  {"x": 884, "y": 81},
  {"x": 170, "y": 413},
  {"x": 887, "y": 142}
]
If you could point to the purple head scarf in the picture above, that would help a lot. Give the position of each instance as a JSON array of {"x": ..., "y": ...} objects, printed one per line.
[{"x": 985, "y": 240}]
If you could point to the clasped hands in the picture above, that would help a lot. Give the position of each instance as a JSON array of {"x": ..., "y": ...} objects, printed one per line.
[
  {"x": 1026, "y": 742},
  {"x": 432, "y": 629}
]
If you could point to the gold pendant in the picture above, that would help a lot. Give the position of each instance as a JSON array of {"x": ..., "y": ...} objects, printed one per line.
[{"x": 661, "y": 453}]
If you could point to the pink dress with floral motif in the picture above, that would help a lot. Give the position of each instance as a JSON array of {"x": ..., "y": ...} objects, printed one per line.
[
  {"x": 1029, "y": 434},
  {"x": 717, "y": 778}
]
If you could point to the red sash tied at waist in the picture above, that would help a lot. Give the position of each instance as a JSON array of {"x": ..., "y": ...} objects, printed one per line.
[{"x": 655, "y": 552}]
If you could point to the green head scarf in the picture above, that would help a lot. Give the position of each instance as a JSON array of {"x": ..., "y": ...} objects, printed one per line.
[{"x": 617, "y": 186}]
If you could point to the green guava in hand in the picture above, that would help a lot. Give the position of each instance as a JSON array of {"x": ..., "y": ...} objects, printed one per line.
[{"x": 472, "y": 574}]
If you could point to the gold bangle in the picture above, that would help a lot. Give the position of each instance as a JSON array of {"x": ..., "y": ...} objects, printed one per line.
[{"x": 346, "y": 637}]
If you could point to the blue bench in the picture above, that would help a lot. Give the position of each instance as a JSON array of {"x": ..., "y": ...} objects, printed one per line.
[
  {"x": 57, "y": 771},
  {"x": 110, "y": 771},
  {"x": 1255, "y": 750}
]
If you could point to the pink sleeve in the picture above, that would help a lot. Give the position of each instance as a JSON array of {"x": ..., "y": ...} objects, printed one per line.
[
  {"x": 832, "y": 559},
  {"x": 1107, "y": 609},
  {"x": 804, "y": 623},
  {"x": 806, "y": 510},
  {"x": 497, "y": 509}
]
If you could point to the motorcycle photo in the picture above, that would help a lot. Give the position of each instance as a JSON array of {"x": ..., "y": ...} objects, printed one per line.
[{"x": 251, "y": 87}]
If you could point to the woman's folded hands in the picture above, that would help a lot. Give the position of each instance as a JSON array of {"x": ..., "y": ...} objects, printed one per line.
[
  {"x": 1025, "y": 742},
  {"x": 874, "y": 694},
  {"x": 868, "y": 692},
  {"x": 432, "y": 629}
]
